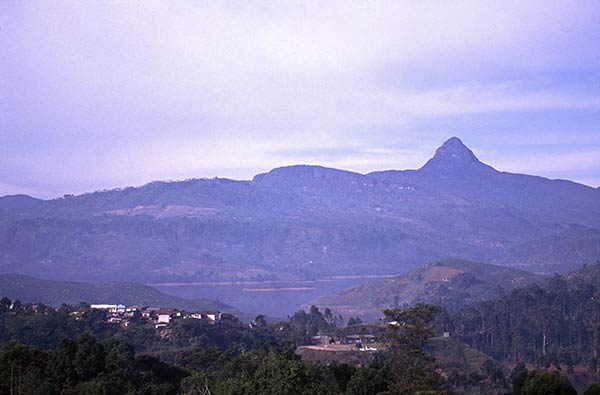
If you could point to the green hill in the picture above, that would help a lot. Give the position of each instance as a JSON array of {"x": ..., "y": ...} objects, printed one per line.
[{"x": 451, "y": 283}]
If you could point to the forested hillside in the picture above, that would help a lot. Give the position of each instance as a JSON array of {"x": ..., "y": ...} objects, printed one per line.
[
  {"x": 556, "y": 322},
  {"x": 451, "y": 284}
]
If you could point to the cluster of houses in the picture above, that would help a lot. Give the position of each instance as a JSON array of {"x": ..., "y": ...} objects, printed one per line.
[
  {"x": 321, "y": 339},
  {"x": 160, "y": 317},
  {"x": 363, "y": 342}
]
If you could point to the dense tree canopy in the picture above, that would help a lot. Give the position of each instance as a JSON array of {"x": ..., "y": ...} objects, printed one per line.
[
  {"x": 548, "y": 383},
  {"x": 554, "y": 323},
  {"x": 84, "y": 366}
]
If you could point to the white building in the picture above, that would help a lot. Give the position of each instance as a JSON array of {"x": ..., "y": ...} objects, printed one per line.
[
  {"x": 209, "y": 315},
  {"x": 212, "y": 315},
  {"x": 107, "y": 307},
  {"x": 166, "y": 315}
]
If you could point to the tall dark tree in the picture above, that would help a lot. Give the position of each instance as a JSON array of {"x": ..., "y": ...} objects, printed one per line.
[{"x": 412, "y": 370}]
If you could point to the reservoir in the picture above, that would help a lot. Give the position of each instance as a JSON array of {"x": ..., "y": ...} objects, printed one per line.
[{"x": 272, "y": 298}]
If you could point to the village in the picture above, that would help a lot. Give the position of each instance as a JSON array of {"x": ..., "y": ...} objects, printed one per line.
[
  {"x": 360, "y": 337},
  {"x": 159, "y": 316}
]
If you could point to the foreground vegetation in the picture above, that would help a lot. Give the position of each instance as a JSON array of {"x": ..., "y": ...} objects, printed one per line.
[
  {"x": 74, "y": 350},
  {"x": 258, "y": 359},
  {"x": 557, "y": 323}
]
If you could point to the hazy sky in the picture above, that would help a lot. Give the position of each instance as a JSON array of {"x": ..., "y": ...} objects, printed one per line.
[{"x": 104, "y": 94}]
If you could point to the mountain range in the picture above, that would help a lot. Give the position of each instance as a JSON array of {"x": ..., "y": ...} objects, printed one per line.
[{"x": 305, "y": 222}]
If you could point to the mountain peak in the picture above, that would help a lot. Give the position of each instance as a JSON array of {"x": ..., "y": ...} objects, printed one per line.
[
  {"x": 454, "y": 149},
  {"x": 453, "y": 155}
]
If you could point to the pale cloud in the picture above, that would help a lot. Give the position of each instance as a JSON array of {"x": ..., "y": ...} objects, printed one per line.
[
  {"x": 101, "y": 94},
  {"x": 477, "y": 99},
  {"x": 548, "y": 162}
]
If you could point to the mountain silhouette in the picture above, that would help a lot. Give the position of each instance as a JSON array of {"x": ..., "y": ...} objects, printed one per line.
[{"x": 305, "y": 222}]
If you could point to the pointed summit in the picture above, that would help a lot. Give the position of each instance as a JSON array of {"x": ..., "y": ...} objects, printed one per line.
[
  {"x": 454, "y": 156},
  {"x": 454, "y": 149}
]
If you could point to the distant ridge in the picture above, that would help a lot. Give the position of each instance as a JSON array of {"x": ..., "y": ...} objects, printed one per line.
[{"x": 305, "y": 222}]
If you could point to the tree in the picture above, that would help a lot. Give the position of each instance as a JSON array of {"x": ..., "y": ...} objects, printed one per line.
[
  {"x": 89, "y": 357},
  {"x": 493, "y": 371},
  {"x": 60, "y": 364},
  {"x": 16, "y": 305},
  {"x": 5, "y": 304},
  {"x": 260, "y": 321},
  {"x": 412, "y": 370},
  {"x": 273, "y": 374},
  {"x": 22, "y": 370},
  {"x": 119, "y": 357},
  {"x": 593, "y": 389},
  {"x": 548, "y": 383},
  {"x": 518, "y": 377},
  {"x": 551, "y": 323},
  {"x": 342, "y": 374},
  {"x": 367, "y": 381},
  {"x": 197, "y": 384},
  {"x": 303, "y": 326},
  {"x": 279, "y": 375}
]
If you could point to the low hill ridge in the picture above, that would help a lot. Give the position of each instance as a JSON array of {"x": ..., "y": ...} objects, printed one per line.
[
  {"x": 451, "y": 283},
  {"x": 54, "y": 293}
]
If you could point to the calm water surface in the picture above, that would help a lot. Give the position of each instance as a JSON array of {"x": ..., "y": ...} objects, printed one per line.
[{"x": 275, "y": 299}]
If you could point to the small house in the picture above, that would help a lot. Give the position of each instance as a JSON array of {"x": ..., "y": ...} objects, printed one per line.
[
  {"x": 165, "y": 316},
  {"x": 209, "y": 315}
]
